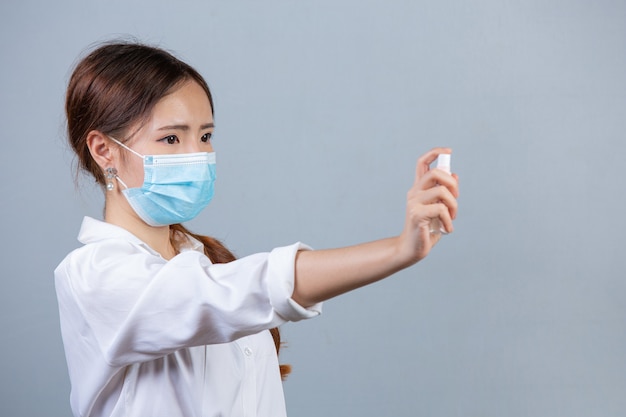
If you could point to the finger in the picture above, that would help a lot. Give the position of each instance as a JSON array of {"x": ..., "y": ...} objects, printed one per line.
[
  {"x": 444, "y": 216},
  {"x": 422, "y": 215},
  {"x": 419, "y": 215},
  {"x": 437, "y": 195},
  {"x": 436, "y": 177},
  {"x": 424, "y": 161},
  {"x": 456, "y": 178}
]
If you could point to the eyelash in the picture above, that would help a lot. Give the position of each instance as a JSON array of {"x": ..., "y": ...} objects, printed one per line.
[{"x": 172, "y": 139}]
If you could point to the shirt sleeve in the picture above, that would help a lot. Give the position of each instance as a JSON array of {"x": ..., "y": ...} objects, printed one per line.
[{"x": 138, "y": 306}]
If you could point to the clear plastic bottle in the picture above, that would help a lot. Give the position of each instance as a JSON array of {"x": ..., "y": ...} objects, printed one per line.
[{"x": 443, "y": 163}]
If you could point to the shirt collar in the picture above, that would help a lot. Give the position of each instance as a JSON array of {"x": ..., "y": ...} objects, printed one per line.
[{"x": 92, "y": 230}]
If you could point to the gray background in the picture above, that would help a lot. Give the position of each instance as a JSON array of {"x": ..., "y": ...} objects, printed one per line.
[{"x": 322, "y": 108}]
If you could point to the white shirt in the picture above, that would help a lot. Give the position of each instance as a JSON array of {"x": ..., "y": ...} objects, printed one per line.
[{"x": 147, "y": 337}]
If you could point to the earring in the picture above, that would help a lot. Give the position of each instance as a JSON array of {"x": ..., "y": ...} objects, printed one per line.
[{"x": 111, "y": 173}]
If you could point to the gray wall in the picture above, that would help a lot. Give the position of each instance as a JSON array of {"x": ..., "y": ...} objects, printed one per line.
[{"x": 322, "y": 108}]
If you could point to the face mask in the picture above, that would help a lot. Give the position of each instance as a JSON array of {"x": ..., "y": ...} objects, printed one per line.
[{"x": 176, "y": 187}]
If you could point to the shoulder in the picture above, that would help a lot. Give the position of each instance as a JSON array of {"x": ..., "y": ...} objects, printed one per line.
[
  {"x": 107, "y": 252},
  {"x": 101, "y": 252},
  {"x": 100, "y": 260}
]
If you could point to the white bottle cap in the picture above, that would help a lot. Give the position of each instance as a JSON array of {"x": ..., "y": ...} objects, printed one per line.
[{"x": 443, "y": 162}]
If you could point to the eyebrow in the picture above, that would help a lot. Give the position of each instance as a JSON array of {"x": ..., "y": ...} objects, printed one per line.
[{"x": 186, "y": 127}]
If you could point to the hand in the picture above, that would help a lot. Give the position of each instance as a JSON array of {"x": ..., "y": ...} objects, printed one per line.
[{"x": 433, "y": 195}]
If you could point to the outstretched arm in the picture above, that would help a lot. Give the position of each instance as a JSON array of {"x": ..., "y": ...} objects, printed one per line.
[{"x": 324, "y": 274}]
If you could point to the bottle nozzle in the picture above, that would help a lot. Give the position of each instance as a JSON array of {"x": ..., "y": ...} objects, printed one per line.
[{"x": 443, "y": 162}]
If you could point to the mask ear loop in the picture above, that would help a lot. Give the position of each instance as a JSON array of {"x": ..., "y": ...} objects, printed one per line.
[
  {"x": 121, "y": 182},
  {"x": 112, "y": 172},
  {"x": 126, "y": 147}
]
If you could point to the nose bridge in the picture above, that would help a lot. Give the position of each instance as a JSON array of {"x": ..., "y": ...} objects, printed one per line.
[
  {"x": 191, "y": 143},
  {"x": 192, "y": 146}
]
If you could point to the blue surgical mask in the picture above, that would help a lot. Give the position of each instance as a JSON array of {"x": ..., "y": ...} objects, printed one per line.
[{"x": 176, "y": 187}]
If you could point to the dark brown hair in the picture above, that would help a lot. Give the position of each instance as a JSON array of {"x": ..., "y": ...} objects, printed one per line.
[{"x": 117, "y": 86}]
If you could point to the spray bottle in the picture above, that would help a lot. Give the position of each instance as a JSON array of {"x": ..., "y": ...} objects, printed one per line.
[{"x": 443, "y": 163}]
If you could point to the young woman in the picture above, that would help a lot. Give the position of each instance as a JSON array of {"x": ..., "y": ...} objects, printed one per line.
[{"x": 156, "y": 320}]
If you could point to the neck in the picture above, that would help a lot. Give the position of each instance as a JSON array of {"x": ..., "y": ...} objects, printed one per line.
[{"x": 118, "y": 212}]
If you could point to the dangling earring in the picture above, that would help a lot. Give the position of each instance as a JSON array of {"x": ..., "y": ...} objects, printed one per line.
[{"x": 111, "y": 173}]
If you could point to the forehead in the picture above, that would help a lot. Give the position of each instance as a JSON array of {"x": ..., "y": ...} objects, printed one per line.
[{"x": 188, "y": 103}]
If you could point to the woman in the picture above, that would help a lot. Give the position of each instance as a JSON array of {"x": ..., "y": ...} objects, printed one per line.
[{"x": 157, "y": 321}]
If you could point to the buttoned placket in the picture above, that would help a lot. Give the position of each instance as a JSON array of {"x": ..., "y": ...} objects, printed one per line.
[{"x": 250, "y": 378}]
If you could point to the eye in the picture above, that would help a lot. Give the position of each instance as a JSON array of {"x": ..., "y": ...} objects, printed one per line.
[
  {"x": 171, "y": 139},
  {"x": 206, "y": 137}
]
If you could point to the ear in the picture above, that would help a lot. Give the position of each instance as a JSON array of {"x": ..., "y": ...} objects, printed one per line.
[{"x": 102, "y": 149}]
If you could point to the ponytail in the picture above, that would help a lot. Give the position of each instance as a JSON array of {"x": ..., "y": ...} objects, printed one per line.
[{"x": 219, "y": 254}]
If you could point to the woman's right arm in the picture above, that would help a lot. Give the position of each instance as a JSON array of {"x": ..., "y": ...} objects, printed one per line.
[{"x": 136, "y": 306}]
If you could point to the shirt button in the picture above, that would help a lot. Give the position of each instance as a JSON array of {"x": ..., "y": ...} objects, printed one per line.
[{"x": 247, "y": 351}]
